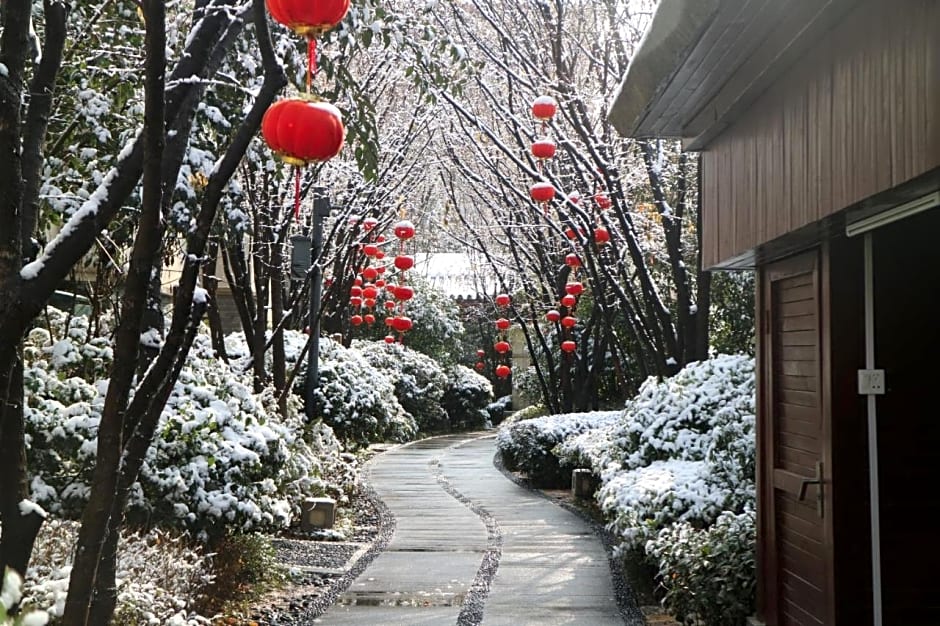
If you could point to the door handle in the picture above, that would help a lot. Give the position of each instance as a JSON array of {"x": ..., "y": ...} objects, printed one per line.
[{"x": 818, "y": 481}]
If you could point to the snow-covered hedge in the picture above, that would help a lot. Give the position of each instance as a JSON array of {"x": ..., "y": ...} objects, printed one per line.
[
  {"x": 528, "y": 445},
  {"x": 466, "y": 398},
  {"x": 223, "y": 458},
  {"x": 420, "y": 382}
]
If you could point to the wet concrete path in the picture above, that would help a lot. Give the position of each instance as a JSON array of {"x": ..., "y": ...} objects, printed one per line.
[{"x": 469, "y": 543}]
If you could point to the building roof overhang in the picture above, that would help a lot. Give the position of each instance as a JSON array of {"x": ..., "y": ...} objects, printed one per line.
[{"x": 703, "y": 62}]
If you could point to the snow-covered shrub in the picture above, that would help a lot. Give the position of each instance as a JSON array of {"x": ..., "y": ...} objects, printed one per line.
[
  {"x": 358, "y": 400},
  {"x": 419, "y": 381},
  {"x": 709, "y": 575},
  {"x": 11, "y": 593},
  {"x": 525, "y": 381},
  {"x": 158, "y": 576},
  {"x": 222, "y": 458},
  {"x": 466, "y": 398},
  {"x": 527, "y": 413},
  {"x": 528, "y": 446},
  {"x": 497, "y": 409},
  {"x": 591, "y": 449}
]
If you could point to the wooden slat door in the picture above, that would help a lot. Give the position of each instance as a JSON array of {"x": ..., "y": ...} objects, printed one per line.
[{"x": 796, "y": 449}]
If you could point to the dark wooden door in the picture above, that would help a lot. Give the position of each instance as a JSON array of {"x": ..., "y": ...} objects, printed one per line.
[{"x": 796, "y": 447}]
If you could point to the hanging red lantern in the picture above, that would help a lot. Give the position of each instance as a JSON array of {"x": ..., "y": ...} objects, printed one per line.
[
  {"x": 569, "y": 346},
  {"x": 370, "y": 249},
  {"x": 543, "y": 149},
  {"x": 601, "y": 236},
  {"x": 369, "y": 319},
  {"x": 369, "y": 224},
  {"x": 369, "y": 302},
  {"x": 544, "y": 108},
  {"x": 389, "y": 339},
  {"x": 389, "y": 321},
  {"x": 481, "y": 354},
  {"x": 380, "y": 239},
  {"x": 502, "y": 347},
  {"x": 573, "y": 261},
  {"x": 603, "y": 201},
  {"x": 355, "y": 302},
  {"x": 503, "y": 371},
  {"x": 404, "y": 262},
  {"x": 380, "y": 269},
  {"x": 357, "y": 282},
  {"x": 553, "y": 316},
  {"x": 402, "y": 324},
  {"x": 574, "y": 198},
  {"x": 542, "y": 192},
  {"x": 355, "y": 290},
  {"x": 355, "y": 320},
  {"x": 404, "y": 293},
  {"x": 389, "y": 305},
  {"x": 301, "y": 132},
  {"x": 503, "y": 324},
  {"x": 574, "y": 289},
  {"x": 308, "y": 19},
  {"x": 370, "y": 292},
  {"x": 370, "y": 273},
  {"x": 404, "y": 230},
  {"x": 502, "y": 300},
  {"x": 568, "y": 300},
  {"x": 379, "y": 254},
  {"x": 480, "y": 366},
  {"x": 380, "y": 283},
  {"x": 568, "y": 321}
]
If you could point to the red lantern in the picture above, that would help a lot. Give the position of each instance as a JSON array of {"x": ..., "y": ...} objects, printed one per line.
[
  {"x": 569, "y": 346},
  {"x": 380, "y": 269},
  {"x": 379, "y": 254},
  {"x": 404, "y": 262},
  {"x": 480, "y": 366},
  {"x": 357, "y": 282},
  {"x": 355, "y": 320},
  {"x": 553, "y": 316},
  {"x": 380, "y": 239},
  {"x": 603, "y": 201},
  {"x": 390, "y": 321},
  {"x": 355, "y": 290},
  {"x": 404, "y": 292},
  {"x": 502, "y": 347},
  {"x": 389, "y": 339},
  {"x": 503, "y": 324},
  {"x": 380, "y": 283},
  {"x": 544, "y": 108},
  {"x": 502, "y": 300},
  {"x": 308, "y": 19},
  {"x": 542, "y": 192},
  {"x": 601, "y": 236},
  {"x": 300, "y": 132},
  {"x": 355, "y": 302},
  {"x": 503, "y": 371},
  {"x": 481, "y": 353},
  {"x": 573, "y": 260},
  {"x": 543, "y": 149},
  {"x": 568, "y": 300},
  {"x": 370, "y": 273},
  {"x": 568, "y": 321},
  {"x": 369, "y": 223},
  {"x": 370, "y": 249},
  {"x": 369, "y": 302},
  {"x": 389, "y": 305},
  {"x": 574, "y": 197},
  {"x": 402, "y": 324},
  {"x": 404, "y": 230},
  {"x": 369, "y": 319},
  {"x": 572, "y": 234},
  {"x": 370, "y": 292},
  {"x": 574, "y": 289}
]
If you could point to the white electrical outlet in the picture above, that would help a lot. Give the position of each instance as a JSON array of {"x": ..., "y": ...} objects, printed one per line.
[{"x": 871, "y": 382}]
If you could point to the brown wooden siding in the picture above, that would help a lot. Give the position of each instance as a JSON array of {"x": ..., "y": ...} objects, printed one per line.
[{"x": 856, "y": 115}]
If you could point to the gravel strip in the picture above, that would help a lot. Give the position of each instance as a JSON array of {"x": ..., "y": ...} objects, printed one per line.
[
  {"x": 626, "y": 599},
  {"x": 471, "y": 613},
  {"x": 319, "y": 591}
]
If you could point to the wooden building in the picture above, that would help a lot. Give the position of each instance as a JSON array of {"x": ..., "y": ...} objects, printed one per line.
[{"x": 818, "y": 123}]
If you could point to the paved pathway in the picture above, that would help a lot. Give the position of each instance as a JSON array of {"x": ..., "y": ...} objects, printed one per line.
[{"x": 457, "y": 519}]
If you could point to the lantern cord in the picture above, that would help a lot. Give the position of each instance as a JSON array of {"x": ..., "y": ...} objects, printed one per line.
[
  {"x": 311, "y": 61},
  {"x": 296, "y": 193}
]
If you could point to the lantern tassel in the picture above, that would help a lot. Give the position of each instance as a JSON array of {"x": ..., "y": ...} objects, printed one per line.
[
  {"x": 311, "y": 61},
  {"x": 296, "y": 194}
]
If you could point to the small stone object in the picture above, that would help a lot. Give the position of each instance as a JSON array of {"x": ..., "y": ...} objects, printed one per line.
[
  {"x": 583, "y": 483},
  {"x": 317, "y": 513}
]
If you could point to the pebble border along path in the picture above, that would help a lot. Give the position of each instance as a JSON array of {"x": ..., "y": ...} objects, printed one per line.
[{"x": 471, "y": 547}]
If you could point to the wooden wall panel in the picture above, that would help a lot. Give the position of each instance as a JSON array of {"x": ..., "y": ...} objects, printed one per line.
[{"x": 857, "y": 115}]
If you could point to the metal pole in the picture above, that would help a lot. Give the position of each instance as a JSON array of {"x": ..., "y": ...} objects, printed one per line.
[
  {"x": 321, "y": 210},
  {"x": 875, "y": 511}
]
